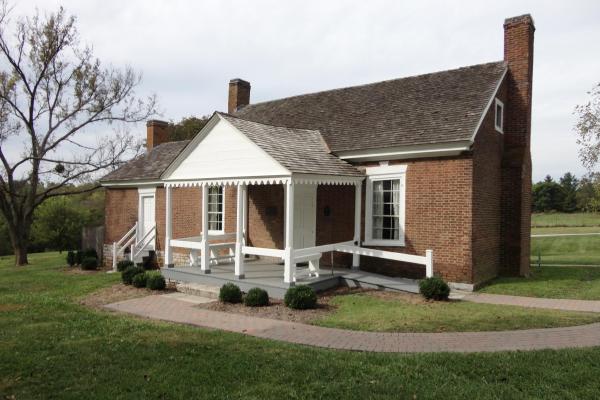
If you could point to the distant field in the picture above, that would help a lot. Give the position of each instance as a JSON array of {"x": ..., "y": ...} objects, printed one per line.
[
  {"x": 560, "y": 219},
  {"x": 566, "y": 250}
]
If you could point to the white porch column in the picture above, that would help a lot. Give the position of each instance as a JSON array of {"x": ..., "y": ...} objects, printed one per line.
[
  {"x": 204, "y": 253},
  {"x": 245, "y": 214},
  {"x": 289, "y": 266},
  {"x": 168, "y": 228},
  {"x": 357, "y": 213},
  {"x": 239, "y": 233}
]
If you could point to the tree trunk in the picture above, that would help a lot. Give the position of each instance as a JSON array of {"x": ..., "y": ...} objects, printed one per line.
[
  {"x": 19, "y": 238},
  {"x": 20, "y": 254}
]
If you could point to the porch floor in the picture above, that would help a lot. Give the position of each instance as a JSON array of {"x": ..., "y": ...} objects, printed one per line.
[{"x": 269, "y": 276}]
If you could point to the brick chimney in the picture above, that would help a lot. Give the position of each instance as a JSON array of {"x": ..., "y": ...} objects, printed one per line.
[
  {"x": 157, "y": 132},
  {"x": 239, "y": 95},
  {"x": 516, "y": 161}
]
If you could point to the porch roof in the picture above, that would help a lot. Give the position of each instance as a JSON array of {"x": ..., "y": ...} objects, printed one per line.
[{"x": 230, "y": 150}]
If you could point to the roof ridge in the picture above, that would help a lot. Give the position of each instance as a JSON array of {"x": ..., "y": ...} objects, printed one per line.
[
  {"x": 269, "y": 125},
  {"x": 366, "y": 85}
]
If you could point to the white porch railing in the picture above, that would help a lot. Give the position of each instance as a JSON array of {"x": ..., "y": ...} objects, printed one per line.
[
  {"x": 143, "y": 243},
  {"x": 310, "y": 253},
  {"x": 128, "y": 240}
]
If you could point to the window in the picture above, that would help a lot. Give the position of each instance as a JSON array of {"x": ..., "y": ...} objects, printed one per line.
[
  {"x": 385, "y": 204},
  {"x": 499, "y": 120},
  {"x": 386, "y": 209},
  {"x": 215, "y": 209}
]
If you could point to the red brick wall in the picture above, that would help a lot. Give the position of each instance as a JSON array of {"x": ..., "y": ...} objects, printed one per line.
[
  {"x": 487, "y": 197},
  {"x": 121, "y": 212},
  {"x": 266, "y": 216},
  {"x": 438, "y": 217},
  {"x": 339, "y": 225}
]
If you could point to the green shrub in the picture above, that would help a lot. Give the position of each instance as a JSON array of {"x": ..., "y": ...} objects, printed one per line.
[
  {"x": 71, "y": 258},
  {"x": 256, "y": 297},
  {"x": 139, "y": 280},
  {"x": 89, "y": 253},
  {"x": 78, "y": 257},
  {"x": 300, "y": 297},
  {"x": 129, "y": 272},
  {"x": 230, "y": 293},
  {"x": 149, "y": 262},
  {"x": 124, "y": 264},
  {"x": 434, "y": 288},
  {"x": 155, "y": 280},
  {"x": 89, "y": 263}
]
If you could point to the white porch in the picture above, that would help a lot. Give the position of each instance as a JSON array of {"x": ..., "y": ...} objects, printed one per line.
[{"x": 229, "y": 152}]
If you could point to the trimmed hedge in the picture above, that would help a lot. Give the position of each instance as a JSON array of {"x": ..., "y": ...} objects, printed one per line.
[
  {"x": 300, "y": 297},
  {"x": 129, "y": 272},
  {"x": 434, "y": 288},
  {"x": 78, "y": 257},
  {"x": 124, "y": 264},
  {"x": 89, "y": 252},
  {"x": 230, "y": 293},
  {"x": 256, "y": 297},
  {"x": 155, "y": 280},
  {"x": 139, "y": 280},
  {"x": 71, "y": 258},
  {"x": 89, "y": 263}
]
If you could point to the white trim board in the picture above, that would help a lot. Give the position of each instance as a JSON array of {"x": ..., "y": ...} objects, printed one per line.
[{"x": 407, "y": 152}]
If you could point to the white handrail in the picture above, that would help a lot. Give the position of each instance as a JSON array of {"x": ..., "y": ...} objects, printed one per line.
[
  {"x": 139, "y": 247},
  {"x": 129, "y": 232},
  {"x": 119, "y": 248}
]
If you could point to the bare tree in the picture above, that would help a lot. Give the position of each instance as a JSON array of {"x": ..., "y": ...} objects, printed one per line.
[
  {"x": 588, "y": 129},
  {"x": 52, "y": 93}
]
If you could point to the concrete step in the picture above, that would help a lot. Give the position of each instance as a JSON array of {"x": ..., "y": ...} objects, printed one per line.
[{"x": 198, "y": 289}]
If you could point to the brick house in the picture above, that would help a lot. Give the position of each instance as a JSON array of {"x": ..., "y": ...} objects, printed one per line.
[{"x": 425, "y": 174}]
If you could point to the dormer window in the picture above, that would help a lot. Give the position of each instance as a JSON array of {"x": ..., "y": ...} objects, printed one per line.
[{"x": 499, "y": 119}]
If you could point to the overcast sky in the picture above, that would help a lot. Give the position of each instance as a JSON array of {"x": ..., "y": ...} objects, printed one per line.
[{"x": 188, "y": 51}]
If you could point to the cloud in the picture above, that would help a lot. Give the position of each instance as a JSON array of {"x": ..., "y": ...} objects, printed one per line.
[{"x": 189, "y": 50}]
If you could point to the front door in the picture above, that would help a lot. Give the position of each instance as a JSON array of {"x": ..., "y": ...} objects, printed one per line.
[
  {"x": 147, "y": 217},
  {"x": 305, "y": 217}
]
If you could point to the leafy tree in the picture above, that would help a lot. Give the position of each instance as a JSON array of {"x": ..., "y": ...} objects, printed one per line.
[
  {"x": 52, "y": 91},
  {"x": 188, "y": 127},
  {"x": 588, "y": 129},
  {"x": 57, "y": 224},
  {"x": 568, "y": 184},
  {"x": 547, "y": 196}
]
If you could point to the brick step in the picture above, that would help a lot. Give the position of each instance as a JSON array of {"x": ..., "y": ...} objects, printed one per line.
[{"x": 197, "y": 289}]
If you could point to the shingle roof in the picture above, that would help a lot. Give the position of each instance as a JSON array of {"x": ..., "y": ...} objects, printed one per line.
[
  {"x": 439, "y": 107},
  {"x": 301, "y": 151},
  {"x": 149, "y": 165}
]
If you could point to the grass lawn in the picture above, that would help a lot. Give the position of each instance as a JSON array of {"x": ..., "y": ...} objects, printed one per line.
[
  {"x": 564, "y": 219},
  {"x": 371, "y": 312},
  {"x": 52, "y": 347},
  {"x": 552, "y": 282},
  {"x": 573, "y": 250}
]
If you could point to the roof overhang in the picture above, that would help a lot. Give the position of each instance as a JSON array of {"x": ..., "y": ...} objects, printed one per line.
[
  {"x": 407, "y": 152},
  {"x": 132, "y": 183}
]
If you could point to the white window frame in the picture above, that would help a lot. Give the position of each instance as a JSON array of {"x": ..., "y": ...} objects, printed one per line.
[
  {"x": 213, "y": 231},
  {"x": 384, "y": 172},
  {"x": 499, "y": 128}
]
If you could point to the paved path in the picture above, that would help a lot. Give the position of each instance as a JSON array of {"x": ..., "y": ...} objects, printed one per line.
[
  {"x": 175, "y": 310},
  {"x": 533, "y": 302}
]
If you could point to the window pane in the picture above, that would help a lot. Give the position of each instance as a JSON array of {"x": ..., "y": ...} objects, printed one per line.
[
  {"x": 215, "y": 208},
  {"x": 386, "y": 209}
]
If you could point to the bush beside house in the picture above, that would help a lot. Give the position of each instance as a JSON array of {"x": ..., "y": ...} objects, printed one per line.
[
  {"x": 434, "y": 289},
  {"x": 300, "y": 298}
]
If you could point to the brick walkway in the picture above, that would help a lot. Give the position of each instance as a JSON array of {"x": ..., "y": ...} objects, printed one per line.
[
  {"x": 170, "y": 309},
  {"x": 534, "y": 302}
]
